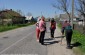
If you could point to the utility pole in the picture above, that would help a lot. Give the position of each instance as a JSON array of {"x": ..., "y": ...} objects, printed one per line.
[
  {"x": 41, "y": 14},
  {"x": 55, "y": 12},
  {"x": 55, "y": 15},
  {"x": 72, "y": 13}
]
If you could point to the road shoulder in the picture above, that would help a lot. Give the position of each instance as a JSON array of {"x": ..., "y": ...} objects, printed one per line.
[{"x": 57, "y": 48}]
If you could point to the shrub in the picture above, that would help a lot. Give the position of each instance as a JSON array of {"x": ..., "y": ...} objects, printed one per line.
[{"x": 79, "y": 37}]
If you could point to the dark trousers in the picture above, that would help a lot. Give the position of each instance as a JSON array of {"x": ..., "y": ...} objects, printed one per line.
[
  {"x": 52, "y": 32},
  {"x": 42, "y": 35},
  {"x": 68, "y": 34},
  {"x": 62, "y": 30}
]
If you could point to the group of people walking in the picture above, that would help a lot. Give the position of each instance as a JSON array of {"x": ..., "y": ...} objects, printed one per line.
[{"x": 41, "y": 29}]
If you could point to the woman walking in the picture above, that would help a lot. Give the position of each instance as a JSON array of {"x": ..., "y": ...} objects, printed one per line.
[{"x": 52, "y": 27}]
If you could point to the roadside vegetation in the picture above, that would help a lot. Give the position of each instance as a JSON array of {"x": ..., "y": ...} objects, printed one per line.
[
  {"x": 79, "y": 39},
  {"x": 10, "y": 27},
  {"x": 59, "y": 25},
  {"x": 11, "y": 19}
]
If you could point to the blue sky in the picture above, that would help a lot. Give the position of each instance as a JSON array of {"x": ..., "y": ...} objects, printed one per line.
[{"x": 33, "y": 6}]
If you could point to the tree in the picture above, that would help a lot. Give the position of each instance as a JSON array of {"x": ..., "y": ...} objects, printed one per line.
[
  {"x": 20, "y": 12},
  {"x": 63, "y": 5},
  {"x": 29, "y": 14},
  {"x": 80, "y": 7},
  {"x": 56, "y": 18}
]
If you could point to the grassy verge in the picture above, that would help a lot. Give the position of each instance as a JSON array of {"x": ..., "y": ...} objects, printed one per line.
[
  {"x": 6, "y": 28},
  {"x": 80, "y": 38},
  {"x": 59, "y": 25}
]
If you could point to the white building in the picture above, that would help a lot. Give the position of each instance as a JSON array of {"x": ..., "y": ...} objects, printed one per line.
[{"x": 29, "y": 18}]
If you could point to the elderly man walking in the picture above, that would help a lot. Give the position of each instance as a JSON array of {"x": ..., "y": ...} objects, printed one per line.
[{"x": 68, "y": 33}]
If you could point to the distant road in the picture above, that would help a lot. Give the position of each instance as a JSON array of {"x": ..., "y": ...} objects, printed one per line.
[{"x": 21, "y": 41}]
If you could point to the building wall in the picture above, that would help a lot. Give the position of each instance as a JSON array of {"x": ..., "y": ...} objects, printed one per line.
[{"x": 79, "y": 28}]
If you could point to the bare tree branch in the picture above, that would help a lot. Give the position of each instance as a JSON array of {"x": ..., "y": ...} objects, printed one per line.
[
  {"x": 62, "y": 5},
  {"x": 81, "y": 8},
  {"x": 29, "y": 14}
]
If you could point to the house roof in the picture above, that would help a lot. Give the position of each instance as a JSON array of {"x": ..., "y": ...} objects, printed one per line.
[
  {"x": 65, "y": 16},
  {"x": 29, "y": 17},
  {"x": 8, "y": 14}
]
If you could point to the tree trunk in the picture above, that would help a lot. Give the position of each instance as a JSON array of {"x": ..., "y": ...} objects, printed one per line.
[{"x": 68, "y": 16}]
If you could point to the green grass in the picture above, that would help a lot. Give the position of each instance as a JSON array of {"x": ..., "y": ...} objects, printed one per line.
[
  {"x": 59, "y": 25},
  {"x": 80, "y": 38},
  {"x": 10, "y": 27}
]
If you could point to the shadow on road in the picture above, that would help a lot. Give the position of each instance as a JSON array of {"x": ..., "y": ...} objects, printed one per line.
[
  {"x": 60, "y": 37},
  {"x": 76, "y": 44},
  {"x": 50, "y": 43},
  {"x": 48, "y": 39}
]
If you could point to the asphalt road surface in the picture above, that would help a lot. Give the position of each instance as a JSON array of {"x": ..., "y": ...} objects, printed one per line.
[{"x": 22, "y": 41}]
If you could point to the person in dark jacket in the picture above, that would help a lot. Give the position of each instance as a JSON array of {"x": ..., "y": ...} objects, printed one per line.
[{"x": 68, "y": 33}]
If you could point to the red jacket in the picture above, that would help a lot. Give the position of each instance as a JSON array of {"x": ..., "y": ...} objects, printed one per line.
[{"x": 53, "y": 25}]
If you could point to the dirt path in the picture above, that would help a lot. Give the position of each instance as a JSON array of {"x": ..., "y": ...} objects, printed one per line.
[{"x": 57, "y": 48}]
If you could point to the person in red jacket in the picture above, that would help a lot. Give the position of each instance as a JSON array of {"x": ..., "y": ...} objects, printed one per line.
[{"x": 52, "y": 27}]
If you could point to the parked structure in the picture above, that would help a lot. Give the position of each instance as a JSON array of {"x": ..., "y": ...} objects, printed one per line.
[
  {"x": 64, "y": 17},
  {"x": 10, "y": 17},
  {"x": 29, "y": 19}
]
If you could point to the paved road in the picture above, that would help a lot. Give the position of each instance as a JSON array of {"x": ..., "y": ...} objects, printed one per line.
[{"x": 21, "y": 41}]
